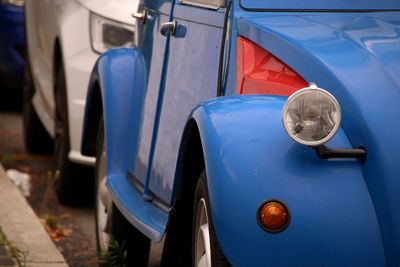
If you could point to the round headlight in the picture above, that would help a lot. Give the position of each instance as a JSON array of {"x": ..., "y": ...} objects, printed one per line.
[{"x": 311, "y": 116}]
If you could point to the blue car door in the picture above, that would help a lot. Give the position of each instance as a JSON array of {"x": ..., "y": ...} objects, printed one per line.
[
  {"x": 190, "y": 78},
  {"x": 154, "y": 47}
]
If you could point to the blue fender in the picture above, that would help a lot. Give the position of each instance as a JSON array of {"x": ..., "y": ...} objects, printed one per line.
[
  {"x": 121, "y": 76},
  {"x": 250, "y": 159}
]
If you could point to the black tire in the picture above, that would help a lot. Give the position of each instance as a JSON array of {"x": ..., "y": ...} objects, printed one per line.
[
  {"x": 73, "y": 182},
  {"x": 201, "y": 197},
  {"x": 132, "y": 241},
  {"x": 37, "y": 140}
]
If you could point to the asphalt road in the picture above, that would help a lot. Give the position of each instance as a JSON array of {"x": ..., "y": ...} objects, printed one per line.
[{"x": 75, "y": 234}]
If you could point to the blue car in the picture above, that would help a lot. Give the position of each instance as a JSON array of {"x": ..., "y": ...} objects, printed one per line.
[
  {"x": 12, "y": 43},
  {"x": 251, "y": 133}
]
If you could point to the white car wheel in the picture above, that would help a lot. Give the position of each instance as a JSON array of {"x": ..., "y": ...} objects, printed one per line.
[
  {"x": 206, "y": 251},
  {"x": 203, "y": 248},
  {"x": 103, "y": 204},
  {"x": 135, "y": 246}
]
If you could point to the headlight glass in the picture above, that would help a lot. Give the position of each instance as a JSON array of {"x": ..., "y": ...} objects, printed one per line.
[
  {"x": 311, "y": 116},
  {"x": 107, "y": 34},
  {"x": 13, "y": 2}
]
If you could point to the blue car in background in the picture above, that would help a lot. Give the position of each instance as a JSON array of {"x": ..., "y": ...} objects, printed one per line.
[
  {"x": 251, "y": 133},
  {"x": 12, "y": 43}
]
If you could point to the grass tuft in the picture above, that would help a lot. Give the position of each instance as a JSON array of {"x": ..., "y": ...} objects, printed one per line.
[
  {"x": 115, "y": 255},
  {"x": 15, "y": 252},
  {"x": 51, "y": 221}
]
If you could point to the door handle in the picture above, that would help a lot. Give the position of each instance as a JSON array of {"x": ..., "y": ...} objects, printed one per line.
[
  {"x": 141, "y": 16},
  {"x": 168, "y": 27}
]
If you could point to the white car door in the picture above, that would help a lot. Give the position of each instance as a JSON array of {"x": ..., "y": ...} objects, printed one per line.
[{"x": 42, "y": 29}]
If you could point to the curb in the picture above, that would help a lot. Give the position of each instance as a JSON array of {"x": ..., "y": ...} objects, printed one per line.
[{"x": 22, "y": 227}]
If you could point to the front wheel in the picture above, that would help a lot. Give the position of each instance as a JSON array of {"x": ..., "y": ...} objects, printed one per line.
[
  {"x": 118, "y": 242},
  {"x": 206, "y": 251},
  {"x": 73, "y": 182}
]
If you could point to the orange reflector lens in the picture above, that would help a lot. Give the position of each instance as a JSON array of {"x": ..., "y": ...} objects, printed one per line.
[{"x": 273, "y": 216}]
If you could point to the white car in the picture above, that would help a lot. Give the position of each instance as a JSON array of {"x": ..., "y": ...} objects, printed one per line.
[{"x": 64, "y": 39}]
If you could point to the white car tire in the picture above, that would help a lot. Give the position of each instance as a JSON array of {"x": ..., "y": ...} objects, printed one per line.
[
  {"x": 206, "y": 251},
  {"x": 73, "y": 182}
]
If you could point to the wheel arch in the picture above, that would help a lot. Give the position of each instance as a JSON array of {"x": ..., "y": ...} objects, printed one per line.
[
  {"x": 57, "y": 59},
  {"x": 177, "y": 248},
  {"x": 116, "y": 85},
  {"x": 190, "y": 160},
  {"x": 93, "y": 114}
]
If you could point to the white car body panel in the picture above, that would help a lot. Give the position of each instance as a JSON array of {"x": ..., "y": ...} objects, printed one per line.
[
  {"x": 68, "y": 22},
  {"x": 112, "y": 9}
]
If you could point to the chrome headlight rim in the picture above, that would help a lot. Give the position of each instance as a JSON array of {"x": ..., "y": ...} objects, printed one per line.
[{"x": 312, "y": 88}]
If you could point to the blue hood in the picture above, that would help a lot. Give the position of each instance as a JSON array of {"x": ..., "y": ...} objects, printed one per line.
[{"x": 355, "y": 56}]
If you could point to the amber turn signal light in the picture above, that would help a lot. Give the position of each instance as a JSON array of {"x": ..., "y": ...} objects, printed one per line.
[{"x": 273, "y": 216}]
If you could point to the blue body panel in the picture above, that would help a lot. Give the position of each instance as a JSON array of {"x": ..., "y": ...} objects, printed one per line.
[
  {"x": 356, "y": 57},
  {"x": 154, "y": 49},
  {"x": 343, "y": 212},
  {"x": 180, "y": 96},
  {"x": 250, "y": 159},
  {"x": 117, "y": 72},
  {"x": 12, "y": 45}
]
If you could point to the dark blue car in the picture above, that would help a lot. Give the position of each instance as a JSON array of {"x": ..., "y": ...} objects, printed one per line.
[
  {"x": 12, "y": 43},
  {"x": 251, "y": 133}
]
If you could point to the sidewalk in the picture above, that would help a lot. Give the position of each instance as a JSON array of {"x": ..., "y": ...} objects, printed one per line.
[{"x": 22, "y": 228}]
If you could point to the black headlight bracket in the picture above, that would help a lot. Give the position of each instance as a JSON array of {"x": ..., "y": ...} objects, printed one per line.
[{"x": 327, "y": 153}]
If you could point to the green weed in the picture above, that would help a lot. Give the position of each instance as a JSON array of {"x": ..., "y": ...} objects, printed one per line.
[
  {"x": 114, "y": 256},
  {"x": 15, "y": 252},
  {"x": 51, "y": 221}
]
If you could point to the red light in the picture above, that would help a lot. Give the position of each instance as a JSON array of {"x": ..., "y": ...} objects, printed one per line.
[{"x": 260, "y": 72}]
